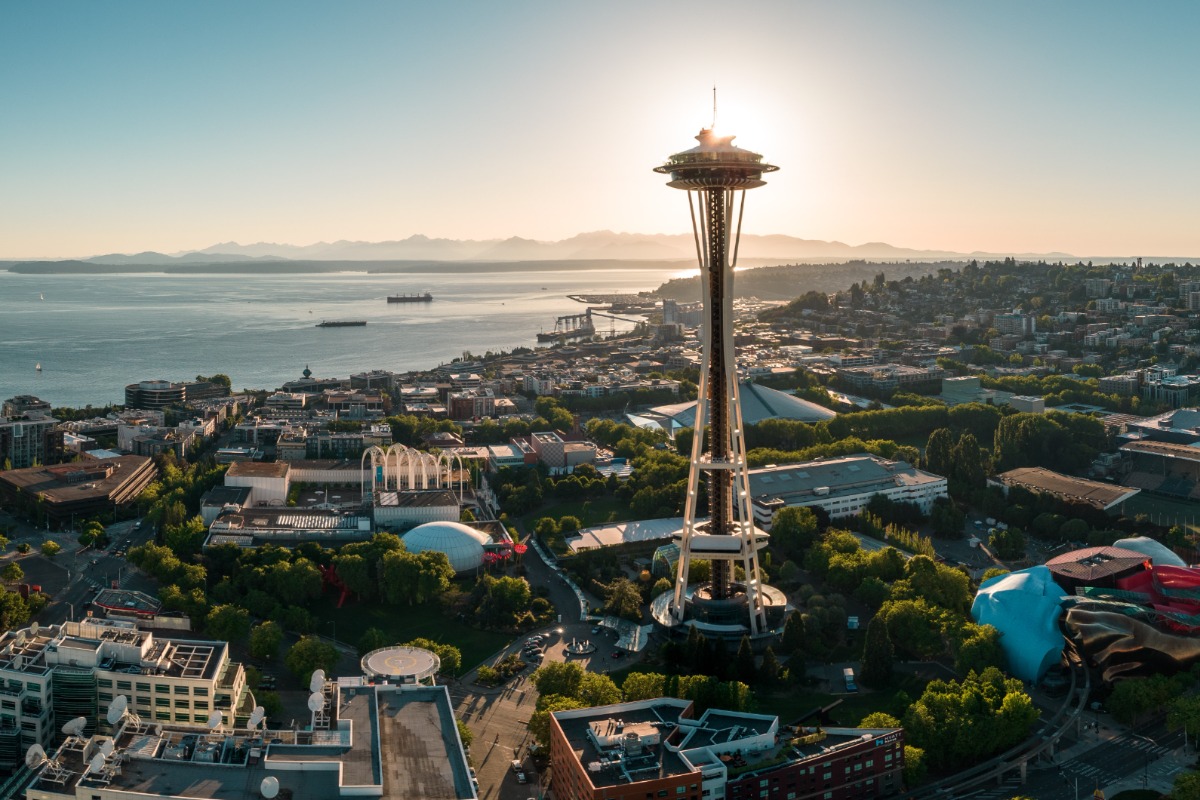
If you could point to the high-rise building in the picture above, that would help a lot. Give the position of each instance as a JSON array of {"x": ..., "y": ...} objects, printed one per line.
[{"x": 716, "y": 175}]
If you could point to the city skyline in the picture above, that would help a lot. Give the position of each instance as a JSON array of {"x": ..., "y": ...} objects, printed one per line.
[{"x": 1017, "y": 128}]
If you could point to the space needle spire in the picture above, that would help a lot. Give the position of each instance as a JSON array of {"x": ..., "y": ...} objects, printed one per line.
[{"x": 716, "y": 174}]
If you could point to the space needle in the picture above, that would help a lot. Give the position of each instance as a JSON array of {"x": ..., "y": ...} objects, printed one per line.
[{"x": 716, "y": 174}]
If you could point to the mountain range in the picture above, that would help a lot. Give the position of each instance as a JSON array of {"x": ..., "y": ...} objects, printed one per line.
[{"x": 597, "y": 245}]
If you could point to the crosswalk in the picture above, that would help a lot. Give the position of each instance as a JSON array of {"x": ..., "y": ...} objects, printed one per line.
[{"x": 1113, "y": 760}]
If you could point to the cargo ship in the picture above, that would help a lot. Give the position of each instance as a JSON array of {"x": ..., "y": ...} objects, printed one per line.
[
  {"x": 341, "y": 323},
  {"x": 410, "y": 298}
]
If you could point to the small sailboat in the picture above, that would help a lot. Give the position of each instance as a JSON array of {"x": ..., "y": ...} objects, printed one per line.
[
  {"x": 41, "y": 296},
  {"x": 38, "y": 367}
]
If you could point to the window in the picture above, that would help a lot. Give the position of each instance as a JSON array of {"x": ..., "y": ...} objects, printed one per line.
[
  {"x": 162, "y": 702},
  {"x": 163, "y": 715},
  {"x": 201, "y": 691},
  {"x": 181, "y": 690},
  {"x": 162, "y": 688},
  {"x": 124, "y": 685},
  {"x": 182, "y": 704},
  {"x": 143, "y": 701},
  {"x": 106, "y": 697},
  {"x": 183, "y": 718},
  {"x": 200, "y": 705},
  {"x": 33, "y": 687},
  {"x": 103, "y": 682},
  {"x": 143, "y": 687}
]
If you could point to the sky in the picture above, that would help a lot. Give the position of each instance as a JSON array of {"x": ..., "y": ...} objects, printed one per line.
[{"x": 1000, "y": 127}]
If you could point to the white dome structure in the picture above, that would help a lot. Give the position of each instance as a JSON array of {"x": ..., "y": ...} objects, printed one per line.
[{"x": 463, "y": 545}]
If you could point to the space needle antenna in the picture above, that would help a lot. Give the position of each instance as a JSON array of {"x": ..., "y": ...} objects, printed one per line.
[{"x": 714, "y": 125}]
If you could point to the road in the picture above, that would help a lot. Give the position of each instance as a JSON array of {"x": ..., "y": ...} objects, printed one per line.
[
  {"x": 498, "y": 718},
  {"x": 70, "y": 578}
]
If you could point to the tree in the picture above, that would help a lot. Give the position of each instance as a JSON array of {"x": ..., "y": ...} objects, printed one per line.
[
  {"x": 539, "y": 723},
  {"x": 979, "y": 649},
  {"x": 309, "y": 654},
  {"x": 559, "y": 678},
  {"x": 597, "y": 690},
  {"x": 643, "y": 686},
  {"x": 372, "y": 639},
  {"x": 879, "y": 719},
  {"x": 794, "y": 529},
  {"x": 465, "y": 734},
  {"x": 50, "y": 548},
  {"x": 265, "y": 639},
  {"x": 770, "y": 670},
  {"x": 229, "y": 623},
  {"x": 14, "y": 610},
  {"x": 1186, "y": 786},
  {"x": 937, "y": 451},
  {"x": 878, "y": 654},
  {"x": 914, "y": 766},
  {"x": 744, "y": 668},
  {"x": 624, "y": 600},
  {"x": 12, "y": 573}
]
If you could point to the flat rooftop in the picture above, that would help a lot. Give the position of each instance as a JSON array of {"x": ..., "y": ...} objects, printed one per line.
[
  {"x": 381, "y": 741},
  {"x": 416, "y": 499},
  {"x": 834, "y": 476},
  {"x": 1067, "y": 487},
  {"x": 257, "y": 469}
]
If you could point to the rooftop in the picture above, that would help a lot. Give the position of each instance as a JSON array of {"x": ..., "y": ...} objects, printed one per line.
[
  {"x": 382, "y": 741},
  {"x": 1067, "y": 487}
]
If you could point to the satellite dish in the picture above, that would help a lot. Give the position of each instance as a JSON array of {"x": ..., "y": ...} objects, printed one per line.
[
  {"x": 116, "y": 709},
  {"x": 269, "y": 787},
  {"x": 33, "y": 629},
  {"x": 107, "y": 748},
  {"x": 35, "y": 756},
  {"x": 316, "y": 701},
  {"x": 256, "y": 716},
  {"x": 215, "y": 719},
  {"x": 74, "y": 727},
  {"x": 97, "y": 763},
  {"x": 317, "y": 681}
]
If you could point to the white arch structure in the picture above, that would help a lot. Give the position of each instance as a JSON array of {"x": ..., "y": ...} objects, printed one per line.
[{"x": 400, "y": 468}]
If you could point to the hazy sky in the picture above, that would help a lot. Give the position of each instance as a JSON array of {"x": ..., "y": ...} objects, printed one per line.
[{"x": 1006, "y": 127}]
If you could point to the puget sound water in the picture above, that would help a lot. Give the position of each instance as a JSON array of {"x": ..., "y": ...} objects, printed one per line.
[{"x": 93, "y": 334}]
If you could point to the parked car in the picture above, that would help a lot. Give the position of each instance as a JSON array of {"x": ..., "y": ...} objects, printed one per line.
[
  {"x": 521, "y": 777},
  {"x": 618, "y": 654}
]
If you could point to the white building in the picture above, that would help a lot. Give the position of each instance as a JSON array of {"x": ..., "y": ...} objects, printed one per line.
[
  {"x": 842, "y": 486},
  {"x": 53, "y": 674}
]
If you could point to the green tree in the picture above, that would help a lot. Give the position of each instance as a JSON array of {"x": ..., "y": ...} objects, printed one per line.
[
  {"x": 50, "y": 548},
  {"x": 559, "y": 678},
  {"x": 597, "y": 690},
  {"x": 465, "y": 734},
  {"x": 12, "y": 572},
  {"x": 14, "y": 610},
  {"x": 643, "y": 686},
  {"x": 978, "y": 649},
  {"x": 373, "y": 639},
  {"x": 539, "y": 723},
  {"x": 449, "y": 655},
  {"x": 937, "y": 452},
  {"x": 879, "y": 719},
  {"x": 794, "y": 529},
  {"x": 265, "y": 640},
  {"x": 744, "y": 668},
  {"x": 914, "y": 766},
  {"x": 624, "y": 600},
  {"x": 228, "y": 623},
  {"x": 878, "y": 655},
  {"x": 770, "y": 670},
  {"x": 309, "y": 654}
]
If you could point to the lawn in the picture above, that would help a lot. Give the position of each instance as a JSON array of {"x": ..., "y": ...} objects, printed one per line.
[{"x": 402, "y": 624}]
